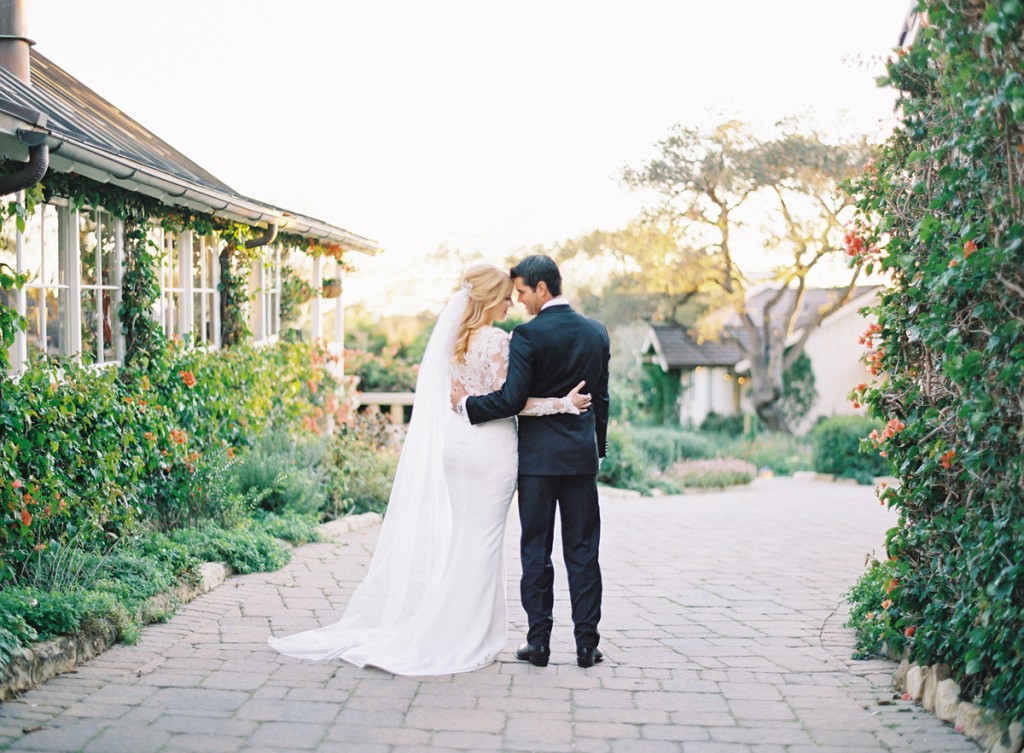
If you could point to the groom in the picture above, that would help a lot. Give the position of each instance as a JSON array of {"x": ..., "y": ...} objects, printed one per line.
[{"x": 558, "y": 454}]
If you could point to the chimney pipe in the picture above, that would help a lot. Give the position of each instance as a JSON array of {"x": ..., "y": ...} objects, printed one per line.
[{"x": 14, "y": 45}]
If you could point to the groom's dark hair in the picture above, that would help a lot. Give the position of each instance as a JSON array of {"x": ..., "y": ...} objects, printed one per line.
[{"x": 533, "y": 269}]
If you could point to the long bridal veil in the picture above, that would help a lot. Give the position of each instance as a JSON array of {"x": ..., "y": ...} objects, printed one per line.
[{"x": 414, "y": 538}]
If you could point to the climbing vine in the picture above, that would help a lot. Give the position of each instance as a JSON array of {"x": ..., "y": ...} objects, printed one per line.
[
  {"x": 140, "y": 284},
  {"x": 942, "y": 212}
]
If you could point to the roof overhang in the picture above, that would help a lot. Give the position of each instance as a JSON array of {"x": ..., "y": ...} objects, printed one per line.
[
  {"x": 69, "y": 155},
  {"x": 651, "y": 342}
]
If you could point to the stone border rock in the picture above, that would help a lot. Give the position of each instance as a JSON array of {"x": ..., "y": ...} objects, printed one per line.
[
  {"x": 933, "y": 688},
  {"x": 34, "y": 665}
]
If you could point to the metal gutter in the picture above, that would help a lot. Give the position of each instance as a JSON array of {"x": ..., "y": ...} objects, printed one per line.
[{"x": 172, "y": 190}]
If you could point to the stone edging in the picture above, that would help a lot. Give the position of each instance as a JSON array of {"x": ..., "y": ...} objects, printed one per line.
[
  {"x": 938, "y": 693},
  {"x": 34, "y": 665}
]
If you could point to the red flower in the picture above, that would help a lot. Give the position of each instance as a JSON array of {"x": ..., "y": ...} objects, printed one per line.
[
  {"x": 969, "y": 248},
  {"x": 26, "y": 517},
  {"x": 909, "y": 632}
]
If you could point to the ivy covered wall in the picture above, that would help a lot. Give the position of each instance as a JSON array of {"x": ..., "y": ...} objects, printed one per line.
[{"x": 942, "y": 212}]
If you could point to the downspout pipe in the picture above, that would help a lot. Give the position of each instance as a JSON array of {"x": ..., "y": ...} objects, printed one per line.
[
  {"x": 268, "y": 237},
  {"x": 34, "y": 169}
]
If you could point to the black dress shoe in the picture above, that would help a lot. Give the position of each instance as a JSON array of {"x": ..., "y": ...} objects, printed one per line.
[
  {"x": 535, "y": 653},
  {"x": 588, "y": 657}
]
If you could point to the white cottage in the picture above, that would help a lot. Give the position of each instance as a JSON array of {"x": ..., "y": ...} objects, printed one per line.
[
  {"x": 51, "y": 123},
  {"x": 713, "y": 377}
]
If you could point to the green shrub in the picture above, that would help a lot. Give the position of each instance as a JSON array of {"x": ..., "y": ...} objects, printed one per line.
[
  {"x": 624, "y": 466},
  {"x": 290, "y": 526},
  {"x": 285, "y": 473},
  {"x": 783, "y": 454},
  {"x": 713, "y": 473},
  {"x": 942, "y": 216},
  {"x": 664, "y": 446},
  {"x": 361, "y": 464},
  {"x": 95, "y": 454},
  {"x": 15, "y": 632},
  {"x": 381, "y": 372},
  {"x": 837, "y": 449},
  {"x": 874, "y": 616},
  {"x": 247, "y": 550},
  {"x": 731, "y": 426}
]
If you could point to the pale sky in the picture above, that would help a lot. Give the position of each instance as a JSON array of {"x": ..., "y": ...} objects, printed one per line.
[{"x": 480, "y": 125}]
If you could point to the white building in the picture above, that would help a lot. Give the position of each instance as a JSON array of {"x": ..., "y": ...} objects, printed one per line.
[
  {"x": 53, "y": 124},
  {"x": 713, "y": 374}
]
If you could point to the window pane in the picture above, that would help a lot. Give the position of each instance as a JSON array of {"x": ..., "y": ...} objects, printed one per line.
[
  {"x": 87, "y": 237},
  {"x": 56, "y": 302},
  {"x": 109, "y": 317},
  {"x": 89, "y": 322},
  {"x": 109, "y": 250},
  {"x": 199, "y": 264}
]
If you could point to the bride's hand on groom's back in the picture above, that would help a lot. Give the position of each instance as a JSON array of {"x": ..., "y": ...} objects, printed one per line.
[
  {"x": 457, "y": 393},
  {"x": 580, "y": 401}
]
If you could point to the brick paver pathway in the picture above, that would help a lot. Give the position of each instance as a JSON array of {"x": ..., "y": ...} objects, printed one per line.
[{"x": 722, "y": 633}]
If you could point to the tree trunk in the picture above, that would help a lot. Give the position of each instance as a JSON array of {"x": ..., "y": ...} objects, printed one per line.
[{"x": 767, "y": 385}]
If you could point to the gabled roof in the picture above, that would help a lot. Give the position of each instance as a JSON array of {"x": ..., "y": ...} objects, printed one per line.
[
  {"x": 676, "y": 348},
  {"x": 92, "y": 137}
]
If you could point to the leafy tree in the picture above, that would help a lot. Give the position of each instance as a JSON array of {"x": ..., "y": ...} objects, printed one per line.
[
  {"x": 650, "y": 273},
  {"x": 708, "y": 181}
]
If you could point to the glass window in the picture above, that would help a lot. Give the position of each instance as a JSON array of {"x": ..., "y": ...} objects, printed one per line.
[
  {"x": 265, "y": 290},
  {"x": 100, "y": 253},
  {"x": 205, "y": 301},
  {"x": 171, "y": 282},
  {"x": 41, "y": 252}
]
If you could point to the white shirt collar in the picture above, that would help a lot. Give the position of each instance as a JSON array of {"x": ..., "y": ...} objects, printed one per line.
[{"x": 558, "y": 300}]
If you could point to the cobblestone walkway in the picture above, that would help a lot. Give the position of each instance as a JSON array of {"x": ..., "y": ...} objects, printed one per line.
[{"x": 722, "y": 632}]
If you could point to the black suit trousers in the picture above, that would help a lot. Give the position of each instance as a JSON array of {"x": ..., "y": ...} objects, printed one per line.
[{"x": 575, "y": 497}]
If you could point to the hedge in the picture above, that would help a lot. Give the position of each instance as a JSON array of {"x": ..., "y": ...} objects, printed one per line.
[{"x": 942, "y": 213}]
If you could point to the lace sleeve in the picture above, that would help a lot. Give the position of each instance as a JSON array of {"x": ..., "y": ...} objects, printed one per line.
[
  {"x": 548, "y": 406},
  {"x": 500, "y": 361}
]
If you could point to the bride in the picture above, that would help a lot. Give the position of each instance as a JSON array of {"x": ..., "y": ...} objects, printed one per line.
[{"x": 433, "y": 600}]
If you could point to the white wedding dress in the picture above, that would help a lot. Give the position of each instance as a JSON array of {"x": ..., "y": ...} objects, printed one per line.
[{"x": 433, "y": 601}]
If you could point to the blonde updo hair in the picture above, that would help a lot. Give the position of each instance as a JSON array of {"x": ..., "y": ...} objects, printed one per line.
[{"x": 487, "y": 286}]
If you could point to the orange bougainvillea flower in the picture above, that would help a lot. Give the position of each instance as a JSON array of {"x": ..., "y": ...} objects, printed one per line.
[
  {"x": 969, "y": 248},
  {"x": 149, "y": 435},
  {"x": 887, "y": 603},
  {"x": 26, "y": 517},
  {"x": 188, "y": 378},
  {"x": 909, "y": 632},
  {"x": 945, "y": 462},
  {"x": 892, "y": 585}
]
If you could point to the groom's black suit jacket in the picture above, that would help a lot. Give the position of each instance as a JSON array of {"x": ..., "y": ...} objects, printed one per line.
[{"x": 548, "y": 356}]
